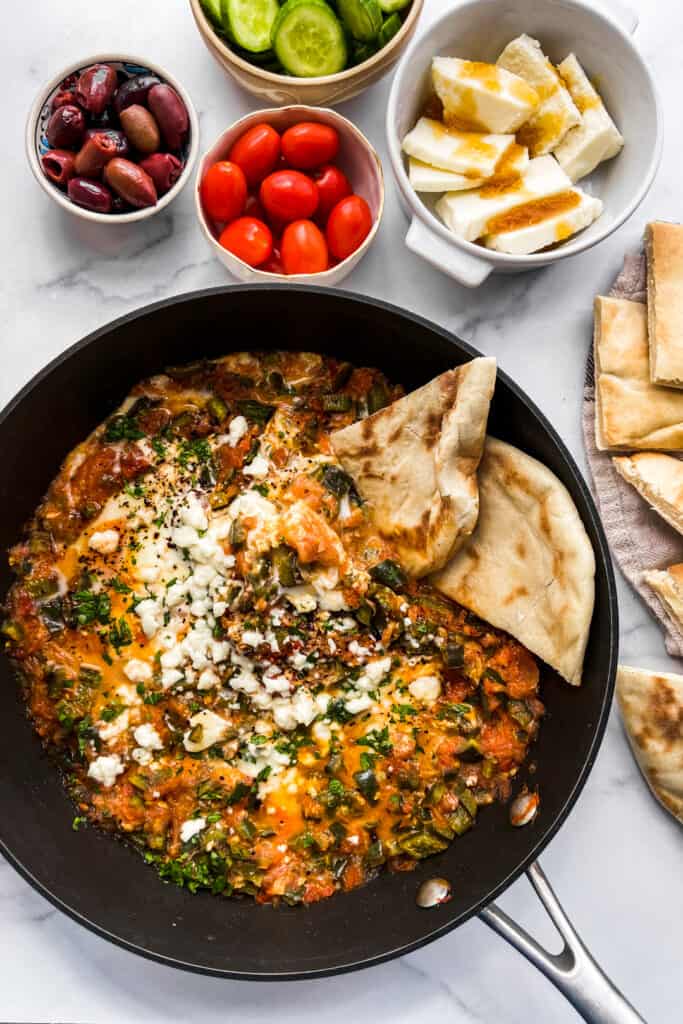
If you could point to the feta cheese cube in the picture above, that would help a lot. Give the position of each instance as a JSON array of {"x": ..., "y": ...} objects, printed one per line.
[
  {"x": 469, "y": 153},
  {"x": 597, "y": 138},
  {"x": 547, "y": 224},
  {"x": 557, "y": 112},
  {"x": 482, "y": 97},
  {"x": 469, "y": 214}
]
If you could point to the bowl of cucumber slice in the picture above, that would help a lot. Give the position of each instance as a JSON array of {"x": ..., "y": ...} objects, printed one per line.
[{"x": 317, "y": 52}]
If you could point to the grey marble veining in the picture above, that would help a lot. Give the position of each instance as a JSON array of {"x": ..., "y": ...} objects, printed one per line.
[{"x": 616, "y": 864}]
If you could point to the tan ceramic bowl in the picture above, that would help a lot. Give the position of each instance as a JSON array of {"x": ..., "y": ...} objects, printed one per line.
[
  {"x": 285, "y": 89},
  {"x": 356, "y": 158}
]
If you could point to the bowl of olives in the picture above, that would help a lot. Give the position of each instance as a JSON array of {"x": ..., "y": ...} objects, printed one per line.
[{"x": 112, "y": 138}]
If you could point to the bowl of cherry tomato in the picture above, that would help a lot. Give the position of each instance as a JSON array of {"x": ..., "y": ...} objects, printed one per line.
[{"x": 290, "y": 191}]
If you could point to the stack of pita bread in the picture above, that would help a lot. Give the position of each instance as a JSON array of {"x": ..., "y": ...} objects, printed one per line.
[
  {"x": 638, "y": 357},
  {"x": 492, "y": 527},
  {"x": 639, "y": 392}
]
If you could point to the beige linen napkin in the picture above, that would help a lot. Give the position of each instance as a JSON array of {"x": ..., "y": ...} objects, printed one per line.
[{"x": 639, "y": 538}]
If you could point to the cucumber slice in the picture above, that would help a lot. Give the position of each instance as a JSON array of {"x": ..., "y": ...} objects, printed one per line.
[
  {"x": 308, "y": 39},
  {"x": 250, "y": 22},
  {"x": 363, "y": 18},
  {"x": 212, "y": 9},
  {"x": 390, "y": 27},
  {"x": 389, "y": 6}
]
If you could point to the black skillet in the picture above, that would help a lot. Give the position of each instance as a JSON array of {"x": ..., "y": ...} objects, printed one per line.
[{"x": 106, "y": 886}]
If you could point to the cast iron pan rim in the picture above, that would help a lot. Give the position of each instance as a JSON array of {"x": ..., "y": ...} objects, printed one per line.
[{"x": 603, "y": 557}]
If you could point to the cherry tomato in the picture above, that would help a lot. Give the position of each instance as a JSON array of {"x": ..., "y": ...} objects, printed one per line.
[
  {"x": 256, "y": 152},
  {"x": 304, "y": 250},
  {"x": 333, "y": 185},
  {"x": 309, "y": 144},
  {"x": 348, "y": 226},
  {"x": 224, "y": 191},
  {"x": 289, "y": 195},
  {"x": 249, "y": 239},
  {"x": 253, "y": 208}
]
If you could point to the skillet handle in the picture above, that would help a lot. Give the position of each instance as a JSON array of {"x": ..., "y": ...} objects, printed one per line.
[{"x": 573, "y": 971}]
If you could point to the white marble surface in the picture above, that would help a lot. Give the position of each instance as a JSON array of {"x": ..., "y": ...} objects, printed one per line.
[{"x": 617, "y": 862}]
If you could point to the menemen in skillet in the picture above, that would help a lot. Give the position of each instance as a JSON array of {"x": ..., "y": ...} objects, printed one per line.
[{"x": 227, "y": 656}]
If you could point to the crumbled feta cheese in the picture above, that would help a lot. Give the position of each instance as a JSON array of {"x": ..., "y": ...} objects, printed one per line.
[
  {"x": 170, "y": 676},
  {"x": 358, "y": 651},
  {"x": 191, "y": 828},
  {"x": 151, "y": 616},
  {"x": 137, "y": 671},
  {"x": 208, "y": 679},
  {"x": 105, "y": 542},
  {"x": 357, "y": 704},
  {"x": 258, "y": 468},
  {"x": 237, "y": 429},
  {"x": 193, "y": 514},
  {"x": 302, "y": 597},
  {"x": 426, "y": 688},
  {"x": 111, "y": 730},
  {"x": 283, "y": 715},
  {"x": 105, "y": 769},
  {"x": 298, "y": 660},
  {"x": 141, "y": 755},
  {"x": 304, "y": 707},
  {"x": 146, "y": 736},
  {"x": 252, "y": 637},
  {"x": 208, "y": 728}
]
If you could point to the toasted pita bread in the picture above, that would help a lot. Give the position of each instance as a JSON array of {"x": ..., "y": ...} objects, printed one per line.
[
  {"x": 659, "y": 480},
  {"x": 631, "y": 412},
  {"x": 668, "y": 586},
  {"x": 415, "y": 463},
  {"x": 664, "y": 248},
  {"x": 651, "y": 706},
  {"x": 529, "y": 566}
]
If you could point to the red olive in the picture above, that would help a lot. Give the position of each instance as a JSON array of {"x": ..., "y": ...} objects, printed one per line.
[
  {"x": 66, "y": 128},
  {"x": 141, "y": 129},
  {"x": 130, "y": 182},
  {"x": 134, "y": 90},
  {"x": 59, "y": 166},
  {"x": 171, "y": 115},
  {"x": 164, "y": 169},
  {"x": 67, "y": 97},
  {"x": 90, "y": 194},
  {"x": 120, "y": 140},
  {"x": 95, "y": 88},
  {"x": 95, "y": 152}
]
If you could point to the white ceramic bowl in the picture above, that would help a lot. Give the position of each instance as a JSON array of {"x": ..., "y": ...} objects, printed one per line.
[
  {"x": 36, "y": 144},
  {"x": 479, "y": 30},
  {"x": 357, "y": 159}
]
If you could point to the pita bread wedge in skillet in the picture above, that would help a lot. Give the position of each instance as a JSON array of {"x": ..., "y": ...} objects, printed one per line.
[
  {"x": 529, "y": 567},
  {"x": 651, "y": 706},
  {"x": 668, "y": 586},
  {"x": 630, "y": 412},
  {"x": 659, "y": 480},
  {"x": 415, "y": 463}
]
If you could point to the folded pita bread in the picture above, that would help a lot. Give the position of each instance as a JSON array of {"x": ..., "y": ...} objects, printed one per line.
[
  {"x": 659, "y": 480},
  {"x": 651, "y": 706},
  {"x": 631, "y": 412},
  {"x": 668, "y": 586},
  {"x": 415, "y": 463},
  {"x": 529, "y": 566},
  {"x": 664, "y": 248}
]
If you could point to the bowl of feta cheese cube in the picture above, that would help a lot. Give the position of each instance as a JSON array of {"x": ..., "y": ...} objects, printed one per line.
[{"x": 521, "y": 133}]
